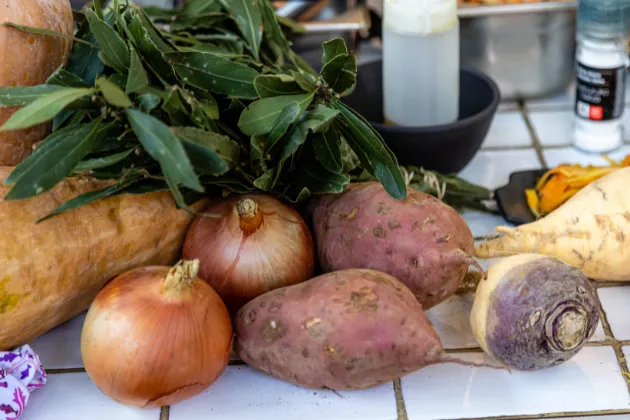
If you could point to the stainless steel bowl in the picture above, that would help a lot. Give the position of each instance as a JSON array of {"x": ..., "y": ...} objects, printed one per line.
[{"x": 528, "y": 49}]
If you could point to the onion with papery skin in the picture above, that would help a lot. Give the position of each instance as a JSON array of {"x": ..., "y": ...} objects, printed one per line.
[
  {"x": 253, "y": 244},
  {"x": 156, "y": 336}
]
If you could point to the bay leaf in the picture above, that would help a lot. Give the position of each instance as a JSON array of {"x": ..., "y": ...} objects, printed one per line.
[
  {"x": 112, "y": 93},
  {"x": 212, "y": 49},
  {"x": 44, "y": 108},
  {"x": 113, "y": 48},
  {"x": 137, "y": 78},
  {"x": 63, "y": 77},
  {"x": 160, "y": 14},
  {"x": 156, "y": 36},
  {"x": 333, "y": 48},
  {"x": 147, "y": 102},
  {"x": 303, "y": 82},
  {"x": 248, "y": 18},
  {"x": 47, "y": 32},
  {"x": 260, "y": 116},
  {"x": 91, "y": 197},
  {"x": 340, "y": 73},
  {"x": 102, "y": 162},
  {"x": 52, "y": 160},
  {"x": 210, "y": 153},
  {"x": 257, "y": 152},
  {"x": 317, "y": 120},
  {"x": 196, "y": 7},
  {"x": 84, "y": 61},
  {"x": 271, "y": 27},
  {"x": 158, "y": 140},
  {"x": 265, "y": 181},
  {"x": 175, "y": 106},
  {"x": 24, "y": 95},
  {"x": 313, "y": 178},
  {"x": 148, "y": 51},
  {"x": 381, "y": 159},
  {"x": 214, "y": 73},
  {"x": 198, "y": 22},
  {"x": 288, "y": 116},
  {"x": 327, "y": 150},
  {"x": 268, "y": 86}
]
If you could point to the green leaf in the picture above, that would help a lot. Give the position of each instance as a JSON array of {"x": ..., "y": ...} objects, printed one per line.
[
  {"x": 193, "y": 23},
  {"x": 47, "y": 32},
  {"x": 160, "y": 14},
  {"x": 341, "y": 73},
  {"x": 288, "y": 116},
  {"x": 249, "y": 21},
  {"x": 112, "y": 93},
  {"x": 303, "y": 82},
  {"x": 214, "y": 73},
  {"x": 113, "y": 48},
  {"x": 269, "y": 86},
  {"x": 64, "y": 78},
  {"x": 176, "y": 109},
  {"x": 316, "y": 179},
  {"x": 52, "y": 160},
  {"x": 24, "y": 95},
  {"x": 272, "y": 28},
  {"x": 382, "y": 162},
  {"x": 209, "y": 105},
  {"x": 327, "y": 150},
  {"x": 259, "y": 117},
  {"x": 197, "y": 7},
  {"x": 333, "y": 48},
  {"x": 317, "y": 120},
  {"x": 101, "y": 162},
  {"x": 84, "y": 62},
  {"x": 137, "y": 78},
  {"x": 92, "y": 196},
  {"x": 147, "y": 102},
  {"x": 140, "y": 38},
  {"x": 44, "y": 108},
  {"x": 210, "y": 153},
  {"x": 265, "y": 181},
  {"x": 158, "y": 140}
]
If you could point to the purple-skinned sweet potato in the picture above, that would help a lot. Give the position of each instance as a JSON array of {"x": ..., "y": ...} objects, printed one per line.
[
  {"x": 351, "y": 329},
  {"x": 533, "y": 312},
  {"x": 421, "y": 241}
]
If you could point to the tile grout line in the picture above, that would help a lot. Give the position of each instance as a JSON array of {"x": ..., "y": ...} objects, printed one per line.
[
  {"x": 400, "y": 401},
  {"x": 616, "y": 345},
  {"x": 532, "y": 132},
  {"x": 165, "y": 412},
  {"x": 593, "y": 414}
]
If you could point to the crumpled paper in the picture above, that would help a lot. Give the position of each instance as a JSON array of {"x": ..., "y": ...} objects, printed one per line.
[{"x": 20, "y": 373}]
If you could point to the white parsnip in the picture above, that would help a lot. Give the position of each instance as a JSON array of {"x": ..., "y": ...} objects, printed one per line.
[{"x": 591, "y": 231}]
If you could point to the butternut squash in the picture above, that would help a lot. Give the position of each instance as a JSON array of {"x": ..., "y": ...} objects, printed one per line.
[
  {"x": 52, "y": 271},
  {"x": 28, "y": 60}
]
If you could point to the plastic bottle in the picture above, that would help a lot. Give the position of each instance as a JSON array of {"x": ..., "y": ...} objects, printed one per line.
[
  {"x": 420, "y": 62},
  {"x": 602, "y": 58}
]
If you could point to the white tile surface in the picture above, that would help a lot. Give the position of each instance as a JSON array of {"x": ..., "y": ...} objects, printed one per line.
[
  {"x": 508, "y": 130},
  {"x": 492, "y": 168},
  {"x": 555, "y": 157},
  {"x": 244, "y": 393},
  {"x": 588, "y": 382},
  {"x": 73, "y": 396},
  {"x": 60, "y": 348},
  {"x": 615, "y": 304},
  {"x": 553, "y": 128}
]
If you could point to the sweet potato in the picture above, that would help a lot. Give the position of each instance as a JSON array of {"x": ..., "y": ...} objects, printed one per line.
[
  {"x": 419, "y": 240},
  {"x": 591, "y": 231},
  {"x": 350, "y": 329},
  {"x": 533, "y": 312},
  {"x": 52, "y": 271}
]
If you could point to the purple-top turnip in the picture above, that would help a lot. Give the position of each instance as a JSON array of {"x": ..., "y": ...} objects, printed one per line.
[{"x": 533, "y": 312}]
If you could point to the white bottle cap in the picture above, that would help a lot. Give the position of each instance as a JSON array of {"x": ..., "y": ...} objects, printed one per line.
[
  {"x": 598, "y": 136},
  {"x": 420, "y": 16}
]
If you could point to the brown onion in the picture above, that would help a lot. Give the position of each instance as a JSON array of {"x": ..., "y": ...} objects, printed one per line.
[
  {"x": 155, "y": 336},
  {"x": 254, "y": 244}
]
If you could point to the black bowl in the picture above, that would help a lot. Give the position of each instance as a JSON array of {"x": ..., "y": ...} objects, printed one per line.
[{"x": 444, "y": 148}]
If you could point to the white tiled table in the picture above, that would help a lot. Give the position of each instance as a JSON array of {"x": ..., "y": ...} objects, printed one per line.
[{"x": 590, "y": 384}]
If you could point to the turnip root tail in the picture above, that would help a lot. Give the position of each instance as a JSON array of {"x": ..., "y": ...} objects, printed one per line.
[
  {"x": 455, "y": 360},
  {"x": 512, "y": 242}
]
